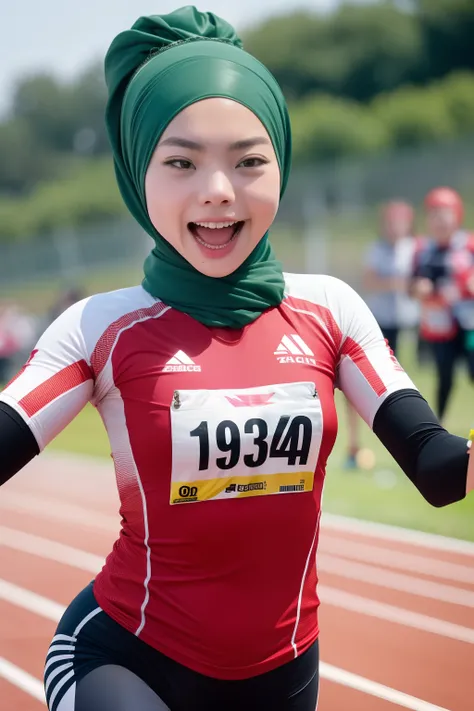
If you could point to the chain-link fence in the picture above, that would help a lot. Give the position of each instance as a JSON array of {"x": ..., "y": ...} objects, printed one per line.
[
  {"x": 325, "y": 219},
  {"x": 70, "y": 254},
  {"x": 328, "y": 214}
]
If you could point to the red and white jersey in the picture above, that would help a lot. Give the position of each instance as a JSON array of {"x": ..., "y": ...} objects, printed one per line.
[{"x": 220, "y": 440}]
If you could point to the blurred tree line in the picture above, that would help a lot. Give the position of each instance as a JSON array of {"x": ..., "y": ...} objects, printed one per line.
[{"x": 366, "y": 78}]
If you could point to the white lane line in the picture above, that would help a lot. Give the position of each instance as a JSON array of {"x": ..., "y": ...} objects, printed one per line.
[
  {"x": 50, "y": 550},
  {"x": 71, "y": 513},
  {"x": 34, "y": 687},
  {"x": 333, "y": 596},
  {"x": 59, "y": 510},
  {"x": 395, "y": 581},
  {"x": 391, "y": 613},
  {"x": 408, "y": 562},
  {"x": 64, "y": 457},
  {"x": 31, "y": 601},
  {"x": 53, "y": 610},
  {"x": 22, "y": 680},
  {"x": 102, "y": 466},
  {"x": 373, "y": 688},
  {"x": 333, "y": 522},
  {"x": 76, "y": 558}
]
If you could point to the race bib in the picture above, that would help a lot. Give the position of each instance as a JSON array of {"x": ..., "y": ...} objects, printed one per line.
[
  {"x": 235, "y": 443},
  {"x": 437, "y": 321}
]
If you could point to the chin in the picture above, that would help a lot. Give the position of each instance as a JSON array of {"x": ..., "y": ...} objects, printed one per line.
[{"x": 217, "y": 269}]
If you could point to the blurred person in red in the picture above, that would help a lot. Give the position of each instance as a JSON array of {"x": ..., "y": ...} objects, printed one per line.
[
  {"x": 17, "y": 333},
  {"x": 387, "y": 268},
  {"x": 8, "y": 347},
  {"x": 443, "y": 283}
]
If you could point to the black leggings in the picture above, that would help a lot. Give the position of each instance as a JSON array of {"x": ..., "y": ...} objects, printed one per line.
[
  {"x": 94, "y": 664},
  {"x": 446, "y": 354}
]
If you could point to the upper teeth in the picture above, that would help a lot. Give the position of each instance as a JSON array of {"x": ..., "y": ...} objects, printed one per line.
[{"x": 215, "y": 225}]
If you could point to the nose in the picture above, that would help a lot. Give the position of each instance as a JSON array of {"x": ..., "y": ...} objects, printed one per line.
[{"x": 217, "y": 189}]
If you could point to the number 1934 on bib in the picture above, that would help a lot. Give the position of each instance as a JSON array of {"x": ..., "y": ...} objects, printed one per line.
[{"x": 246, "y": 442}]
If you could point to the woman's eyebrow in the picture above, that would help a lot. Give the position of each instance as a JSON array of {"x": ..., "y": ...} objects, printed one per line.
[
  {"x": 243, "y": 144},
  {"x": 249, "y": 143},
  {"x": 182, "y": 143}
]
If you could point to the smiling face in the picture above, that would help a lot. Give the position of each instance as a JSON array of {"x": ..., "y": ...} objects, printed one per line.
[{"x": 213, "y": 183}]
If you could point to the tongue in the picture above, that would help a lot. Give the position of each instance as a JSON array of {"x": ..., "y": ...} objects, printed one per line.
[{"x": 218, "y": 236}]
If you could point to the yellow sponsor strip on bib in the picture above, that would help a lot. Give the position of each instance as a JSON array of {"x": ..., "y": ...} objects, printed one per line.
[{"x": 234, "y": 487}]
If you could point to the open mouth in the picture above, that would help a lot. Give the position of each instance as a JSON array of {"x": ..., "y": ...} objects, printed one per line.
[{"x": 215, "y": 235}]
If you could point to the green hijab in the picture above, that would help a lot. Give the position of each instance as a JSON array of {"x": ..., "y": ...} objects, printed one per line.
[{"x": 163, "y": 64}]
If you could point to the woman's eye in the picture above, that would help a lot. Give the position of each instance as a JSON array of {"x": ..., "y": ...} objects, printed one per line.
[
  {"x": 252, "y": 162},
  {"x": 180, "y": 163}
]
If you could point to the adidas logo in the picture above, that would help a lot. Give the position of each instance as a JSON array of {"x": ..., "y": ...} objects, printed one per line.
[
  {"x": 181, "y": 363},
  {"x": 293, "y": 349}
]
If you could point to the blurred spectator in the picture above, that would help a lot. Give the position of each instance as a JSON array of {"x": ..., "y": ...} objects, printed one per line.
[
  {"x": 17, "y": 334},
  {"x": 387, "y": 269},
  {"x": 66, "y": 298},
  {"x": 444, "y": 285}
]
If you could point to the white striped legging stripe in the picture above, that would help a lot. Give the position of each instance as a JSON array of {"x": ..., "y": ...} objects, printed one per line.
[{"x": 59, "y": 681}]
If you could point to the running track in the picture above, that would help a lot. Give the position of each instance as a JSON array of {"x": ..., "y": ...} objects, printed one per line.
[{"x": 397, "y": 614}]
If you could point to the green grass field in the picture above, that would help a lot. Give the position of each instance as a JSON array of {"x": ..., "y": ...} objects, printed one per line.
[{"x": 382, "y": 494}]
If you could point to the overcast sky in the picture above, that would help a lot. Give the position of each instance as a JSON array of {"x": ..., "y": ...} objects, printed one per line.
[{"x": 66, "y": 36}]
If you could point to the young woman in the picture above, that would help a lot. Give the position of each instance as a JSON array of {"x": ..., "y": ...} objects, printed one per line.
[
  {"x": 444, "y": 284},
  {"x": 215, "y": 380}
]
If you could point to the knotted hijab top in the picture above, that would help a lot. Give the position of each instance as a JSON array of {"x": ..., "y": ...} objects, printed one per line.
[{"x": 163, "y": 64}]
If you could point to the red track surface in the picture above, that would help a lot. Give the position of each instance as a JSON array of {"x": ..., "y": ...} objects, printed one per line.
[{"x": 398, "y": 615}]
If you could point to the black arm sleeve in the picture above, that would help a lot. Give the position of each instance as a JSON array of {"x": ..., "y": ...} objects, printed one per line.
[
  {"x": 434, "y": 460},
  {"x": 18, "y": 445}
]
